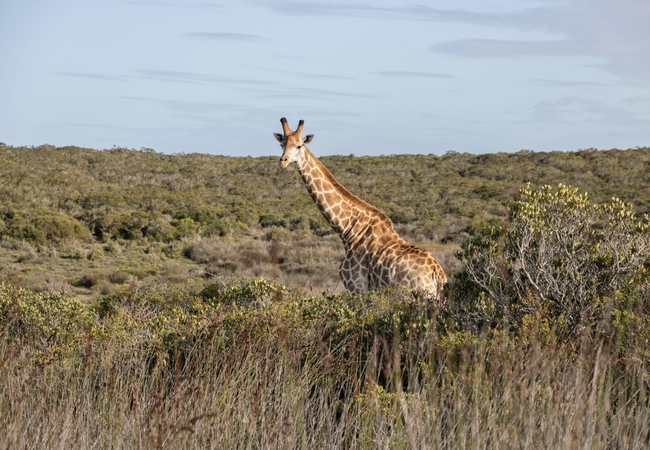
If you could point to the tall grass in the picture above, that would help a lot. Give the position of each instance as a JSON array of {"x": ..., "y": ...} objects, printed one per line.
[{"x": 297, "y": 371}]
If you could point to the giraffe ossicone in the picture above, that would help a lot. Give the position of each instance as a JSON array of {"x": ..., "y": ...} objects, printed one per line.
[{"x": 375, "y": 255}]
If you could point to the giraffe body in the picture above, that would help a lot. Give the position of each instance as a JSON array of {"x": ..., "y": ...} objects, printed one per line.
[{"x": 375, "y": 255}]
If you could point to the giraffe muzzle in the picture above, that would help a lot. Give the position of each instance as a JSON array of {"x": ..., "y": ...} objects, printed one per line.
[{"x": 284, "y": 162}]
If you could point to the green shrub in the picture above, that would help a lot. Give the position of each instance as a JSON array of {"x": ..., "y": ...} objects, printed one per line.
[
  {"x": 154, "y": 226},
  {"x": 561, "y": 257},
  {"x": 119, "y": 277},
  {"x": 114, "y": 225},
  {"x": 158, "y": 227},
  {"x": 58, "y": 227},
  {"x": 210, "y": 222},
  {"x": 269, "y": 220},
  {"x": 42, "y": 228},
  {"x": 185, "y": 227},
  {"x": 47, "y": 326},
  {"x": 22, "y": 229},
  {"x": 152, "y": 316},
  {"x": 258, "y": 291},
  {"x": 89, "y": 280},
  {"x": 278, "y": 234}
]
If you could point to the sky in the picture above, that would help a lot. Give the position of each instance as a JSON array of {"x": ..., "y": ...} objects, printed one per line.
[{"x": 375, "y": 77}]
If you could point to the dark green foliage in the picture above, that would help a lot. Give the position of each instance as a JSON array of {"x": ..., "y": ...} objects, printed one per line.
[
  {"x": 41, "y": 228},
  {"x": 210, "y": 221},
  {"x": 58, "y": 227},
  {"x": 23, "y": 229},
  {"x": 269, "y": 220}
]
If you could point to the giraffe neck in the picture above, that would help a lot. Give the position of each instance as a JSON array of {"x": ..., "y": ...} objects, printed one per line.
[{"x": 347, "y": 214}]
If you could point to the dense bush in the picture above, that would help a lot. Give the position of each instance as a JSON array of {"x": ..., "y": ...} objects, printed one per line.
[
  {"x": 258, "y": 365},
  {"x": 46, "y": 326},
  {"x": 559, "y": 257}
]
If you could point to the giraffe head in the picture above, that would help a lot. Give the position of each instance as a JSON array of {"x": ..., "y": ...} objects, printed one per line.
[{"x": 292, "y": 142}]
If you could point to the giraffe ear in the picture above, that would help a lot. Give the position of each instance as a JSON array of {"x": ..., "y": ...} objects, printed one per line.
[
  {"x": 278, "y": 136},
  {"x": 308, "y": 138}
]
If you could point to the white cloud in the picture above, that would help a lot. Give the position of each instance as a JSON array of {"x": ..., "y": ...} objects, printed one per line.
[
  {"x": 614, "y": 30},
  {"x": 575, "y": 109}
]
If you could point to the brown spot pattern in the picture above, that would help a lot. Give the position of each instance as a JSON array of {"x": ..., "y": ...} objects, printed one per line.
[{"x": 375, "y": 254}]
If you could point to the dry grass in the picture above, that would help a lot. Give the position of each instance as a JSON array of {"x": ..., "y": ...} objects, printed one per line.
[
  {"x": 264, "y": 392},
  {"x": 310, "y": 264}
]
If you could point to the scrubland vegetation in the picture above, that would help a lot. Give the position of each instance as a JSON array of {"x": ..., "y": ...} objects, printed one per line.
[
  {"x": 90, "y": 222},
  {"x": 192, "y": 301}
]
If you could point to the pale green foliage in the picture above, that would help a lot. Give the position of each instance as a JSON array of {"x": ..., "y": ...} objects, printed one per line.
[
  {"x": 561, "y": 256},
  {"x": 257, "y": 292},
  {"x": 152, "y": 316},
  {"x": 47, "y": 326}
]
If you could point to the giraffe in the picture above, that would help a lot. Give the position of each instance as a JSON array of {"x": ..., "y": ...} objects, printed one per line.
[{"x": 375, "y": 255}]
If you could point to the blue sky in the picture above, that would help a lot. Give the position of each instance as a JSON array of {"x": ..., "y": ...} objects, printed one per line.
[{"x": 368, "y": 77}]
